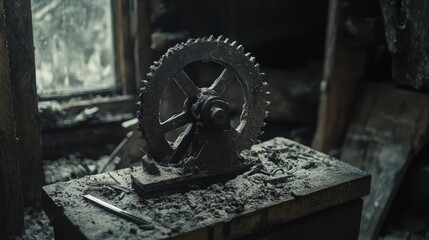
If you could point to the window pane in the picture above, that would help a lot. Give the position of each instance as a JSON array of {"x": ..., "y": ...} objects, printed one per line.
[{"x": 73, "y": 45}]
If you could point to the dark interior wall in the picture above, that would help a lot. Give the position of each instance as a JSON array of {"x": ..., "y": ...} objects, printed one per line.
[
  {"x": 279, "y": 33},
  {"x": 286, "y": 37}
]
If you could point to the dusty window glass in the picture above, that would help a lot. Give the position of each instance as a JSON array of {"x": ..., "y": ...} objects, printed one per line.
[{"x": 73, "y": 45}]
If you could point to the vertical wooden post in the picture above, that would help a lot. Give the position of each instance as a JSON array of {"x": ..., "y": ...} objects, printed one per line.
[
  {"x": 142, "y": 31},
  {"x": 11, "y": 208},
  {"x": 19, "y": 37},
  {"x": 124, "y": 45},
  {"x": 343, "y": 72}
]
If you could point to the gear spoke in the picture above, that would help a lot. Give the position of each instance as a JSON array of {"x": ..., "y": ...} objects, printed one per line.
[
  {"x": 182, "y": 144},
  {"x": 186, "y": 84},
  {"x": 175, "y": 121},
  {"x": 223, "y": 81}
]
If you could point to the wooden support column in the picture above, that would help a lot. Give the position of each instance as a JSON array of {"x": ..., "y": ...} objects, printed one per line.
[
  {"x": 124, "y": 46},
  {"x": 343, "y": 70},
  {"x": 142, "y": 31},
  {"x": 19, "y": 37},
  {"x": 11, "y": 209}
]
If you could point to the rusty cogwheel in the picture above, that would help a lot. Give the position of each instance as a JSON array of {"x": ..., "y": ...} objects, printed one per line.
[{"x": 209, "y": 141}]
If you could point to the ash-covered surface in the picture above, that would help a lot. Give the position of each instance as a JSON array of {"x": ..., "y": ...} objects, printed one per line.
[{"x": 293, "y": 170}]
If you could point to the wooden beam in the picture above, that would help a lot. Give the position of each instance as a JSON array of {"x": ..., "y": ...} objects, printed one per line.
[
  {"x": 389, "y": 127},
  {"x": 124, "y": 44},
  {"x": 343, "y": 70},
  {"x": 19, "y": 37},
  {"x": 11, "y": 203},
  {"x": 142, "y": 32}
]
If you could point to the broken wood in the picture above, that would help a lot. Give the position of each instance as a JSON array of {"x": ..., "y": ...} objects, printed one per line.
[
  {"x": 389, "y": 127},
  {"x": 11, "y": 203},
  {"x": 130, "y": 150}
]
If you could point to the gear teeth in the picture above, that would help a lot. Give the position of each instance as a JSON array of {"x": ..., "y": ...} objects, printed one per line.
[
  {"x": 262, "y": 74},
  {"x": 143, "y": 89},
  {"x": 252, "y": 59},
  {"x": 139, "y": 116},
  {"x": 210, "y": 38},
  {"x": 219, "y": 39},
  {"x": 268, "y": 93},
  {"x": 247, "y": 54},
  {"x": 266, "y": 113},
  {"x": 268, "y": 103},
  {"x": 257, "y": 66},
  {"x": 265, "y": 84},
  {"x": 189, "y": 41},
  {"x": 261, "y": 133},
  {"x": 145, "y": 82},
  {"x": 226, "y": 40},
  {"x": 240, "y": 48},
  {"x": 139, "y": 103},
  {"x": 264, "y": 124},
  {"x": 233, "y": 43}
]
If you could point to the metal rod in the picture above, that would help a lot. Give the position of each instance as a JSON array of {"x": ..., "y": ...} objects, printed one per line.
[{"x": 115, "y": 210}]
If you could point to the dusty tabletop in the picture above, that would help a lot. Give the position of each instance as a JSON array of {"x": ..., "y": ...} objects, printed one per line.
[{"x": 283, "y": 171}]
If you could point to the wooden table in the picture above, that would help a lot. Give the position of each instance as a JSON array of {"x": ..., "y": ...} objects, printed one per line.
[{"x": 310, "y": 196}]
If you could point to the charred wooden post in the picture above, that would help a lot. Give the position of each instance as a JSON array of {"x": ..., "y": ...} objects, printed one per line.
[
  {"x": 407, "y": 34},
  {"x": 19, "y": 37},
  {"x": 344, "y": 68},
  {"x": 11, "y": 209}
]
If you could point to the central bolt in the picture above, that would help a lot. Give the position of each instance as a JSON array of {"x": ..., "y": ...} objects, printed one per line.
[
  {"x": 213, "y": 112},
  {"x": 218, "y": 116}
]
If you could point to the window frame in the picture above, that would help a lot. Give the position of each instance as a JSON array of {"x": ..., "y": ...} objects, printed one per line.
[{"x": 124, "y": 64}]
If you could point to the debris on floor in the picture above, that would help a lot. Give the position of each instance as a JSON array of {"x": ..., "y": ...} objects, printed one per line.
[{"x": 37, "y": 226}]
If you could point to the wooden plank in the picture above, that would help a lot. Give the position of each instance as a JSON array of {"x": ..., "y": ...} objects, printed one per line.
[
  {"x": 383, "y": 142},
  {"x": 19, "y": 37},
  {"x": 206, "y": 213},
  {"x": 11, "y": 203},
  {"x": 344, "y": 67}
]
